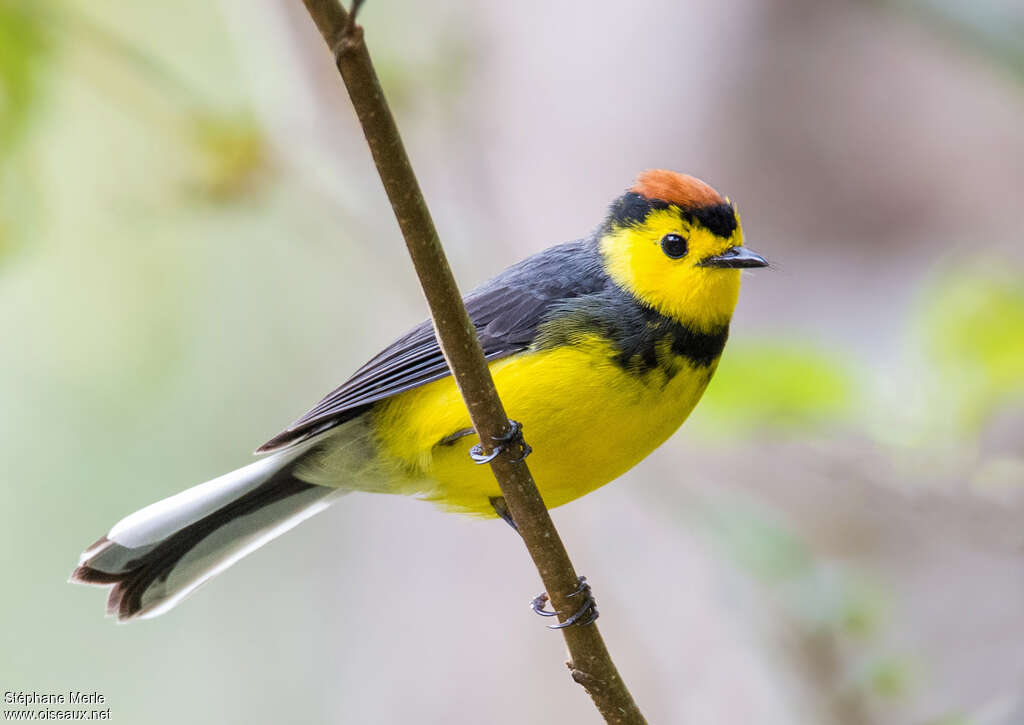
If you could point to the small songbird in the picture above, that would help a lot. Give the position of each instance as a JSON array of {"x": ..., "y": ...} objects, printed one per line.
[{"x": 599, "y": 348}]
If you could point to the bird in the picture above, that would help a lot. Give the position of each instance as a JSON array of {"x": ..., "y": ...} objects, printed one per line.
[{"x": 599, "y": 349}]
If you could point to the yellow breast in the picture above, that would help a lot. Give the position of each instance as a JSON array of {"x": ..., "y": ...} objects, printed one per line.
[{"x": 588, "y": 419}]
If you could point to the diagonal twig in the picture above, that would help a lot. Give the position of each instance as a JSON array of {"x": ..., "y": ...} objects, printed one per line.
[{"x": 590, "y": 663}]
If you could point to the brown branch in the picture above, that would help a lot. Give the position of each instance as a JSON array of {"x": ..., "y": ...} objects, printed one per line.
[{"x": 590, "y": 664}]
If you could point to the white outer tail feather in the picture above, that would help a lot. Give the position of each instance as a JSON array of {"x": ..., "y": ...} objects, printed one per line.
[
  {"x": 231, "y": 545},
  {"x": 141, "y": 532},
  {"x": 156, "y": 522}
]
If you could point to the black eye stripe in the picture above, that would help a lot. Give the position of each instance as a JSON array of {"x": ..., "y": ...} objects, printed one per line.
[{"x": 674, "y": 246}]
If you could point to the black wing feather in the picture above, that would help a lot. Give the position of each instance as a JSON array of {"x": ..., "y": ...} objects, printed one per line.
[{"x": 506, "y": 312}]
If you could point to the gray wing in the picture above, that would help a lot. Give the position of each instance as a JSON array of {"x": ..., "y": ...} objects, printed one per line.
[{"x": 506, "y": 312}]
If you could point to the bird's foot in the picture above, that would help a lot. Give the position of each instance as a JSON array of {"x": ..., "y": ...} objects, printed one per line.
[
  {"x": 501, "y": 508},
  {"x": 586, "y": 614},
  {"x": 513, "y": 438}
]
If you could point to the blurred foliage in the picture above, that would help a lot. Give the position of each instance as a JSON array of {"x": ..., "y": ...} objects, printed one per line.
[
  {"x": 404, "y": 88},
  {"x": 18, "y": 204},
  {"x": 972, "y": 323},
  {"x": 963, "y": 366},
  {"x": 232, "y": 155},
  {"x": 839, "y": 613},
  {"x": 22, "y": 49},
  {"x": 787, "y": 385},
  {"x": 23, "y": 54},
  {"x": 890, "y": 678},
  {"x": 756, "y": 541},
  {"x": 434, "y": 68},
  {"x": 861, "y": 611},
  {"x": 760, "y": 542},
  {"x": 7, "y": 235},
  {"x": 223, "y": 155},
  {"x": 229, "y": 149},
  {"x": 154, "y": 71},
  {"x": 965, "y": 363},
  {"x": 993, "y": 28}
]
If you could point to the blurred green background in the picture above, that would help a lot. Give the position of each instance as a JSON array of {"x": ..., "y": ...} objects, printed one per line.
[{"x": 192, "y": 239}]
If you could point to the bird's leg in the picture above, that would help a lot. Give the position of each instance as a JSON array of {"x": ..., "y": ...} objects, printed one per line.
[
  {"x": 512, "y": 437},
  {"x": 586, "y": 614},
  {"x": 501, "y": 508}
]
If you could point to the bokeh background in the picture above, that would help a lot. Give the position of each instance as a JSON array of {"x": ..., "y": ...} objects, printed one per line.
[{"x": 194, "y": 246}]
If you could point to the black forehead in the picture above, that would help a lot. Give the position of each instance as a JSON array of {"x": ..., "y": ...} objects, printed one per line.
[
  {"x": 719, "y": 219},
  {"x": 632, "y": 208}
]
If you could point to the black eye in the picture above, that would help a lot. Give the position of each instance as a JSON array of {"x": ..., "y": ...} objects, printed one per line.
[{"x": 674, "y": 245}]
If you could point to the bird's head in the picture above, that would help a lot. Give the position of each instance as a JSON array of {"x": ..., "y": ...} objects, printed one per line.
[{"x": 677, "y": 245}]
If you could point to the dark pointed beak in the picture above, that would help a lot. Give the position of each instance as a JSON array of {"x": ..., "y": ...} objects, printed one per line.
[{"x": 735, "y": 258}]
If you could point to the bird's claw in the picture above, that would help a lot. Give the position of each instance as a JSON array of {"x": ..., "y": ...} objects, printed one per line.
[
  {"x": 513, "y": 436},
  {"x": 586, "y": 614},
  {"x": 538, "y": 604}
]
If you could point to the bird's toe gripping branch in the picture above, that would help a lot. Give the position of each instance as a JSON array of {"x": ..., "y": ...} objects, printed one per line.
[
  {"x": 510, "y": 440},
  {"x": 586, "y": 614}
]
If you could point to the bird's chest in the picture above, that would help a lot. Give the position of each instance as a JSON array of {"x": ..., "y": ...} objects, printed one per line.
[
  {"x": 589, "y": 413},
  {"x": 610, "y": 418}
]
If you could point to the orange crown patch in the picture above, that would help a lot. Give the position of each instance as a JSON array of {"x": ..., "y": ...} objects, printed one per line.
[{"x": 686, "y": 192}]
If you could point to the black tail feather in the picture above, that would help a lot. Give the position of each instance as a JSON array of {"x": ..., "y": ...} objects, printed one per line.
[{"x": 156, "y": 563}]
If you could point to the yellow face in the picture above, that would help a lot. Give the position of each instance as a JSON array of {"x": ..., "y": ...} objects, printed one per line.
[{"x": 659, "y": 260}]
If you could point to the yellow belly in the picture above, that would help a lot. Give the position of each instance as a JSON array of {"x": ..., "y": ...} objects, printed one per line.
[{"x": 588, "y": 420}]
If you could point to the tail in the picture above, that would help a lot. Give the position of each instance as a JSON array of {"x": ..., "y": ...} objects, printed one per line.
[{"x": 159, "y": 555}]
